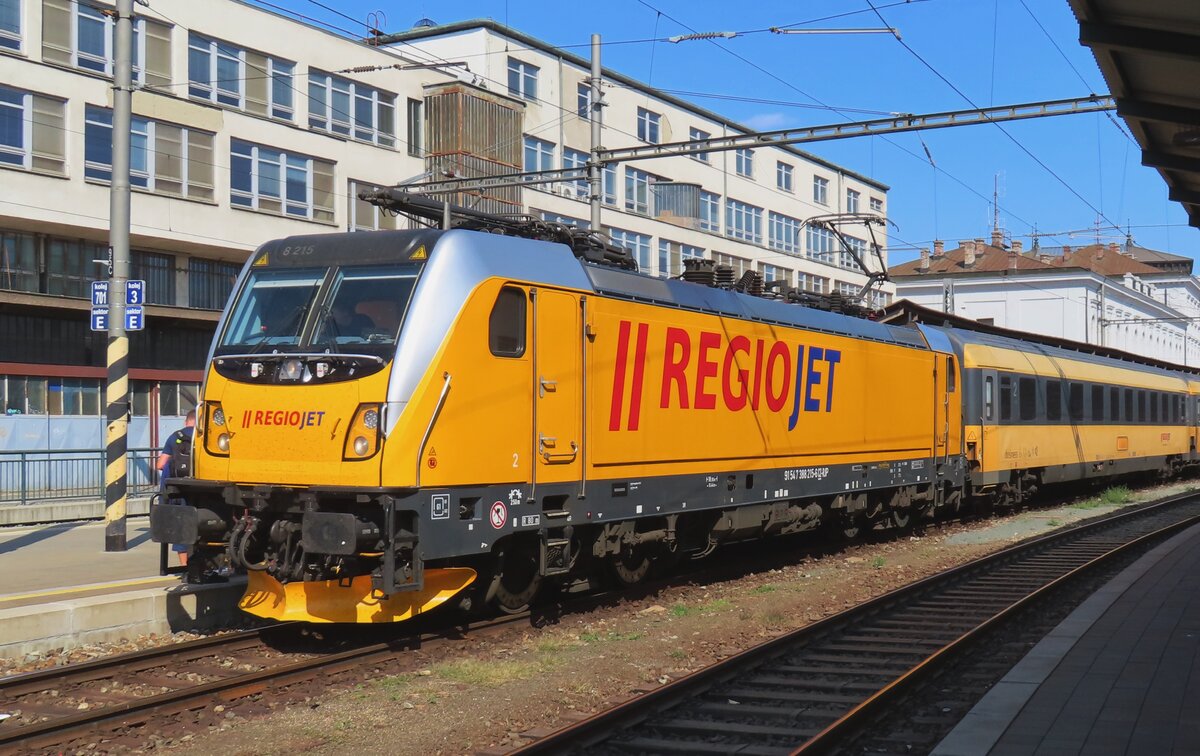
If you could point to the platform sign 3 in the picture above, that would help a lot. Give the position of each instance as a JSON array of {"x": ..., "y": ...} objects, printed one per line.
[{"x": 135, "y": 292}]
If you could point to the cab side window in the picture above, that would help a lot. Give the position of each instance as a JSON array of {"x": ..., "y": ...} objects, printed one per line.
[{"x": 506, "y": 325}]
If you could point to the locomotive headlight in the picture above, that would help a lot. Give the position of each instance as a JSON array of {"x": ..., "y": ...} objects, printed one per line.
[
  {"x": 214, "y": 419},
  {"x": 362, "y": 436},
  {"x": 291, "y": 370}
]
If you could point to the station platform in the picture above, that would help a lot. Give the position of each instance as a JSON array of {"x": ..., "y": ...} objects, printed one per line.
[
  {"x": 60, "y": 589},
  {"x": 1120, "y": 675}
]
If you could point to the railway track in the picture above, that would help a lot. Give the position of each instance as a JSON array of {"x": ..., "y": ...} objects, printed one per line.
[
  {"x": 96, "y": 700},
  {"x": 809, "y": 690}
]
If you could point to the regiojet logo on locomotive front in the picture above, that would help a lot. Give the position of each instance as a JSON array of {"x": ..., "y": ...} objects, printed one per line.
[{"x": 702, "y": 370}]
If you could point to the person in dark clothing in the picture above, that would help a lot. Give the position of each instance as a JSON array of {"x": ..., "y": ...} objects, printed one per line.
[
  {"x": 344, "y": 321},
  {"x": 174, "y": 461}
]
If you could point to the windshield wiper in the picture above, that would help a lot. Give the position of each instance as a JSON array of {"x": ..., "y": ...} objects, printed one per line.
[
  {"x": 328, "y": 328},
  {"x": 284, "y": 325}
]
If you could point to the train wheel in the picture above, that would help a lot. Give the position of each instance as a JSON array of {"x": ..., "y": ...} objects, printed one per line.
[
  {"x": 517, "y": 578},
  {"x": 632, "y": 565},
  {"x": 901, "y": 518}
]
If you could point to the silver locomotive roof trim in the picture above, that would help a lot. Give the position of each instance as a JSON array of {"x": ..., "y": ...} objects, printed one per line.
[{"x": 458, "y": 263}]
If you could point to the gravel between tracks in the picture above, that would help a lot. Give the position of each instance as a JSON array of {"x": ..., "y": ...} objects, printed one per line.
[{"x": 486, "y": 692}]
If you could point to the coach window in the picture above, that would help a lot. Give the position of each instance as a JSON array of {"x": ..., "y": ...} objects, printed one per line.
[
  {"x": 1114, "y": 404},
  {"x": 506, "y": 326},
  {"x": 1075, "y": 402},
  {"x": 1141, "y": 410},
  {"x": 1129, "y": 405},
  {"x": 1005, "y": 398},
  {"x": 1176, "y": 405},
  {"x": 1154, "y": 406},
  {"x": 951, "y": 375},
  {"x": 1053, "y": 400},
  {"x": 1097, "y": 404},
  {"x": 1027, "y": 390},
  {"x": 987, "y": 398}
]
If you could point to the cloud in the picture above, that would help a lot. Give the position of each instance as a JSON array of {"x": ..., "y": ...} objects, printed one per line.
[{"x": 767, "y": 121}]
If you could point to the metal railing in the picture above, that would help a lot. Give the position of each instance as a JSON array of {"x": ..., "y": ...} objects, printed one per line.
[{"x": 28, "y": 476}]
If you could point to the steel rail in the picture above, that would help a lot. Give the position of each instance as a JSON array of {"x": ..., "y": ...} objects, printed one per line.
[
  {"x": 828, "y": 738},
  {"x": 641, "y": 708}
]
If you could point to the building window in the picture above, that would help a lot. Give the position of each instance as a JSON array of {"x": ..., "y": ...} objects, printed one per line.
[
  {"x": 710, "y": 212},
  {"x": 648, "y": 126},
  {"x": 69, "y": 266},
  {"x": 18, "y": 261},
  {"x": 348, "y": 108},
  {"x": 637, "y": 190},
  {"x": 583, "y": 101},
  {"x": 859, "y": 247},
  {"x": 852, "y": 198},
  {"x": 847, "y": 289},
  {"x": 695, "y": 135},
  {"x": 876, "y": 205},
  {"x": 745, "y": 162},
  {"x": 820, "y": 190},
  {"x": 566, "y": 220},
  {"x": 158, "y": 271},
  {"x": 416, "y": 128},
  {"x": 210, "y": 282},
  {"x": 784, "y": 176},
  {"x": 820, "y": 244},
  {"x": 226, "y": 74},
  {"x": 576, "y": 159},
  {"x": 637, "y": 244},
  {"x": 82, "y": 35},
  {"x": 363, "y": 215},
  {"x": 784, "y": 233},
  {"x": 31, "y": 131},
  {"x": 809, "y": 282},
  {"x": 539, "y": 155},
  {"x": 739, "y": 264},
  {"x": 671, "y": 256},
  {"x": 610, "y": 184},
  {"x": 774, "y": 273},
  {"x": 522, "y": 79},
  {"x": 10, "y": 24},
  {"x": 272, "y": 181},
  {"x": 163, "y": 158},
  {"x": 743, "y": 221}
]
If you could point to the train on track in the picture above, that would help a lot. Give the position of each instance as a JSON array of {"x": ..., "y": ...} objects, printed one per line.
[{"x": 392, "y": 420}]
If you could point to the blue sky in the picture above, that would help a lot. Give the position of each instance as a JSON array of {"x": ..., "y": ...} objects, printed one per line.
[{"x": 993, "y": 51}]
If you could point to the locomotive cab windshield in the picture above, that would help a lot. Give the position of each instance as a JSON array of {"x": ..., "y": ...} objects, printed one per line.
[{"x": 339, "y": 308}]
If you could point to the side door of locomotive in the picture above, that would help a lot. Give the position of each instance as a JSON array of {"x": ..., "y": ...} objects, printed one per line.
[{"x": 558, "y": 386}]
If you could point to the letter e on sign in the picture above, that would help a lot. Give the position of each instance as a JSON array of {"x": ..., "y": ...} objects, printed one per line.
[{"x": 499, "y": 515}]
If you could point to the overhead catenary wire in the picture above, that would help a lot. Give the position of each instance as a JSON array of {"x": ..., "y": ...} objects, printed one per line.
[
  {"x": 1003, "y": 130},
  {"x": 797, "y": 89}
]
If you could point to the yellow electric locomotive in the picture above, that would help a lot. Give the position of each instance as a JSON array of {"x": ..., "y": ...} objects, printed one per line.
[{"x": 391, "y": 417}]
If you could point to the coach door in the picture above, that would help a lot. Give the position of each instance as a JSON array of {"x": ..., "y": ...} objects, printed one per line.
[
  {"x": 944, "y": 389},
  {"x": 558, "y": 386}
]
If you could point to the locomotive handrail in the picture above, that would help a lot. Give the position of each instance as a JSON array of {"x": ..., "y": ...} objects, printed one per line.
[{"x": 432, "y": 419}]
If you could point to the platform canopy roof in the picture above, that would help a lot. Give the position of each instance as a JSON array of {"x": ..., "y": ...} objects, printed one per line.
[{"x": 1149, "y": 53}]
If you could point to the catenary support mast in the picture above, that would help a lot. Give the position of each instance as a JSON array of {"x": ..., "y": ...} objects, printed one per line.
[{"x": 117, "y": 394}]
